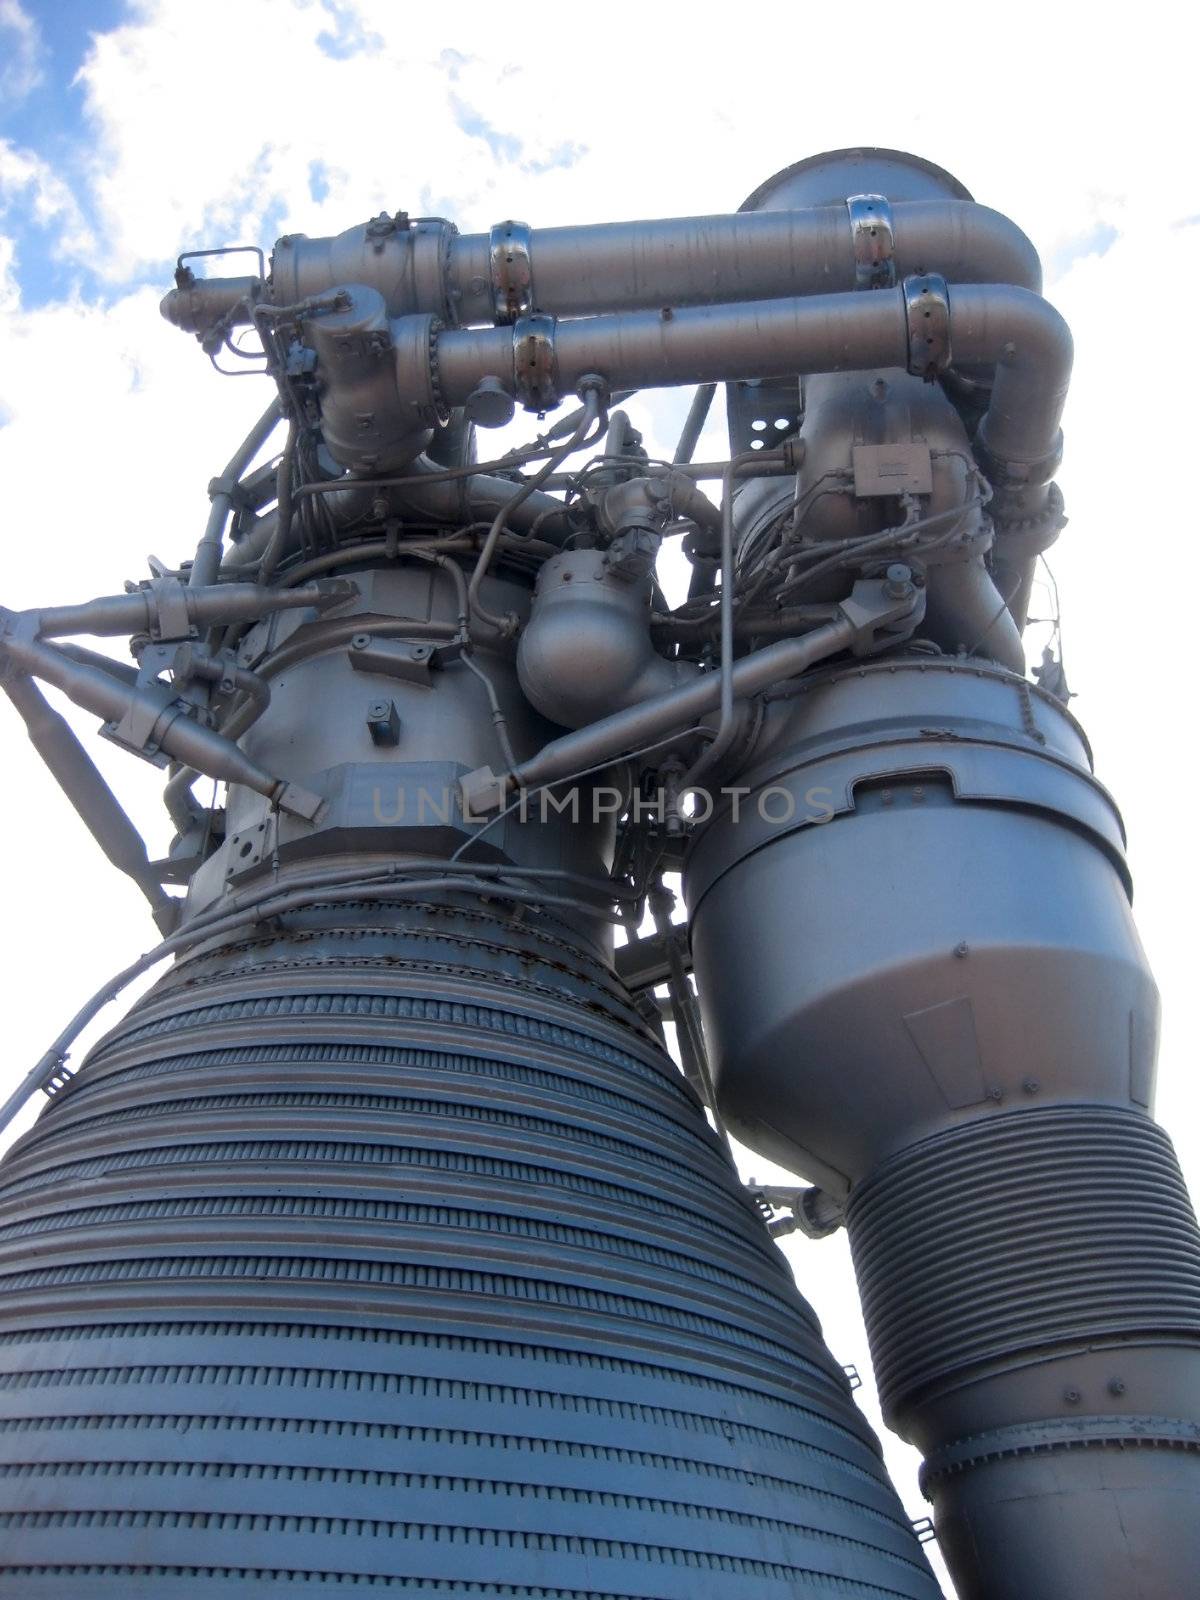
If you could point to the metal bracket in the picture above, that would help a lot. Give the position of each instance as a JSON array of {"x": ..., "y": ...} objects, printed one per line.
[
  {"x": 383, "y": 722},
  {"x": 511, "y": 266},
  {"x": 534, "y": 363},
  {"x": 392, "y": 658},
  {"x": 883, "y": 610},
  {"x": 756, "y": 409},
  {"x": 927, "y": 305},
  {"x": 249, "y": 848},
  {"x": 150, "y": 711},
  {"x": 873, "y": 240},
  {"x": 171, "y": 620},
  {"x": 231, "y": 488},
  {"x": 809, "y": 1211},
  {"x": 644, "y": 963},
  {"x": 483, "y": 792}
]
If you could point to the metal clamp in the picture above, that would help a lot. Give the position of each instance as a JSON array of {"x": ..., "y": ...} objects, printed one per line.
[
  {"x": 534, "y": 375},
  {"x": 874, "y": 243},
  {"x": 170, "y": 618},
  {"x": 511, "y": 267},
  {"x": 927, "y": 306},
  {"x": 1017, "y": 475}
]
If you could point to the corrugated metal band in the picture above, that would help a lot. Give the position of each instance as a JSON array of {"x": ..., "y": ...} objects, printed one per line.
[
  {"x": 392, "y": 1250},
  {"x": 1036, "y": 1230},
  {"x": 1119, "y": 1432}
]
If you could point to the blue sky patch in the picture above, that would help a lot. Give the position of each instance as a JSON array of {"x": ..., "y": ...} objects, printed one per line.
[
  {"x": 46, "y": 121},
  {"x": 1097, "y": 241},
  {"x": 349, "y": 35}
]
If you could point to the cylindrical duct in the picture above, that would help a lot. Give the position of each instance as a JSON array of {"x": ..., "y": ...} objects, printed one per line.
[
  {"x": 924, "y": 991},
  {"x": 1031, "y": 1288},
  {"x": 388, "y": 1248}
]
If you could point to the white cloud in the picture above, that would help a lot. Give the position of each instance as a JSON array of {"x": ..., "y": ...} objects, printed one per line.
[
  {"x": 31, "y": 191},
  {"x": 10, "y": 294},
  {"x": 20, "y": 52}
]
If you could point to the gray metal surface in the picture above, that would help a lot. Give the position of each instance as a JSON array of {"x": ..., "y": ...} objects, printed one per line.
[
  {"x": 828, "y": 178},
  {"x": 389, "y": 1248},
  {"x": 765, "y": 250},
  {"x": 382, "y": 1243},
  {"x": 971, "y": 1062}
]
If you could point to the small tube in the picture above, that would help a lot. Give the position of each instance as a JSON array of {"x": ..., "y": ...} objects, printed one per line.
[
  {"x": 693, "y": 425},
  {"x": 207, "y": 561}
]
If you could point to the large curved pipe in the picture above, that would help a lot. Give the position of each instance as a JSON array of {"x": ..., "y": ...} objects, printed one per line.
[
  {"x": 621, "y": 266},
  {"x": 966, "y": 613},
  {"x": 1012, "y": 329},
  {"x": 755, "y": 255},
  {"x": 1031, "y": 348}
]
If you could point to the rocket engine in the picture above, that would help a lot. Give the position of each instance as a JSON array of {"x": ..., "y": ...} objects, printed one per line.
[{"x": 383, "y": 1242}]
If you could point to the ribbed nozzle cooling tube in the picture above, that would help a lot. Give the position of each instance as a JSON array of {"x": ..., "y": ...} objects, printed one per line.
[{"x": 386, "y": 1248}]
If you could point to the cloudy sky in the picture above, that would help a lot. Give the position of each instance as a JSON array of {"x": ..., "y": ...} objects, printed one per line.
[{"x": 132, "y": 129}]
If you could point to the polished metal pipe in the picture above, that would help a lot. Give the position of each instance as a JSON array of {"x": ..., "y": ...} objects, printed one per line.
[
  {"x": 749, "y": 255},
  {"x": 615, "y": 735},
  {"x": 1012, "y": 329},
  {"x": 218, "y": 603},
  {"x": 158, "y": 716},
  {"x": 1031, "y": 348},
  {"x": 206, "y": 563},
  {"x": 698, "y": 344},
  {"x": 623, "y": 266}
]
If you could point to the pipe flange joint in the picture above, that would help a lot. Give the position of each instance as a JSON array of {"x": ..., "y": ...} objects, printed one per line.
[
  {"x": 1022, "y": 535},
  {"x": 535, "y": 375},
  {"x": 418, "y": 378},
  {"x": 927, "y": 308},
  {"x": 873, "y": 239},
  {"x": 438, "y": 411},
  {"x": 1013, "y": 476},
  {"x": 511, "y": 264}
]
